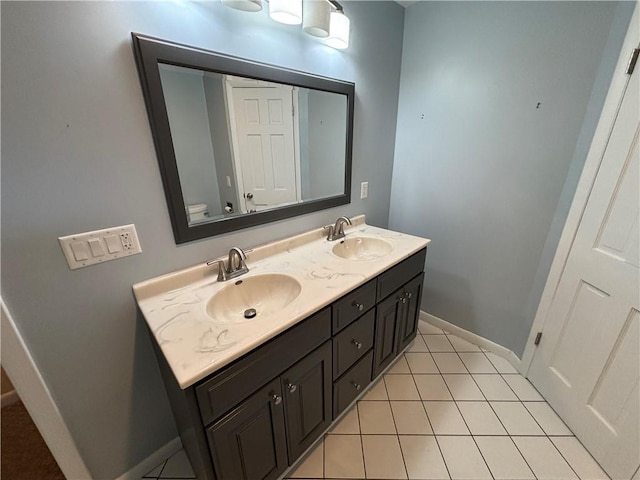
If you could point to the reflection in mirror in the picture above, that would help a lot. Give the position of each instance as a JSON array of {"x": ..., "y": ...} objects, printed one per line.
[
  {"x": 241, "y": 143},
  {"x": 244, "y": 145}
]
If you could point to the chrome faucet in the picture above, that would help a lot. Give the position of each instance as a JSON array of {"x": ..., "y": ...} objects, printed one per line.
[
  {"x": 336, "y": 232},
  {"x": 236, "y": 264}
]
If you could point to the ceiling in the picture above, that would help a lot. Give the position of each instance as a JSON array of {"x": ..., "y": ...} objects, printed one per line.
[{"x": 406, "y": 3}]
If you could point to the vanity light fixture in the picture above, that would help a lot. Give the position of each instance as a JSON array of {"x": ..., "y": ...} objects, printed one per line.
[
  {"x": 317, "y": 15},
  {"x": 319, "y": 18},
  {"x": 244, "y": 5},
  {"x": 288, "y": 12},
  {"x": 339, "y": 30}
]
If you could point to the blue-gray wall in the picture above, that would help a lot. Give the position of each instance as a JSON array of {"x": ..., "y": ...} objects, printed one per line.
[
  {"x": 77, "y": 155},
  {"x": 187, "y": 109},
  {"x": 479, "y": 168}
]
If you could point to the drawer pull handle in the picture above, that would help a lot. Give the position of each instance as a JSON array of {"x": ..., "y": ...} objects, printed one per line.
[
  {"x": 359, "y": 306},
  {"x": 292, "y": 388},
  {"x": 356, "y": 385},
  {"x": 277, "y": 399},
  {"x": 357, "y": 344}
]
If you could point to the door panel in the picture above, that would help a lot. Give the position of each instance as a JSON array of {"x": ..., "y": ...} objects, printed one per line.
[
  {"x": 249, "y": 443},
  {"x": 587, "y": 365},
  {"x": 307, "y": 394},
  {"x": 387, "y": 314},
  {"x": 408, "y": 323},
  {"x": 265, "y": 140}
]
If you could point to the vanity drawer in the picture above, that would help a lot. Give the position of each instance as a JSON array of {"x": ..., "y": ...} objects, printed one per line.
[
  {"x": 352, "y": 384},
  {"x": 352, "y": 343},
  {"x": 236, "y": 382},
  {"x": 353, "y": 304},
  {"x": 395, "y": 277}
]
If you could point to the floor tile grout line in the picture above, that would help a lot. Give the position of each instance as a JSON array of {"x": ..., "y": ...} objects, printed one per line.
[
  {"x": 429, "y": 419},
  {"x": 465, "y": 420},
  {"x": 568, "y": 462},
  {"x": 364, "y": 463},
  {"x": 500, "y": 420}
]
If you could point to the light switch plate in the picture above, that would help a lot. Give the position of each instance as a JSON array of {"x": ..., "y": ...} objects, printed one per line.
[
  {"x": 99, "y": 246},
  {"x": 364, "y": 190}
]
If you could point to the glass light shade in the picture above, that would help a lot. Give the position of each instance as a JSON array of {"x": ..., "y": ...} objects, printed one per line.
[
  {"x": 339, "y": 31},
  {"x": 245, "y": 5},
  {"x": 316, "y": 17},
  {"x": 286, "y": 11}
]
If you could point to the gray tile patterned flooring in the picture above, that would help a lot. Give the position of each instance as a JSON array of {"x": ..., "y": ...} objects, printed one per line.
[{"x": 445, "y": 410}]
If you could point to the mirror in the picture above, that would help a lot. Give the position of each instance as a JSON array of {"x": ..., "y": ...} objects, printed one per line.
[{"x": 241, "y": 143}]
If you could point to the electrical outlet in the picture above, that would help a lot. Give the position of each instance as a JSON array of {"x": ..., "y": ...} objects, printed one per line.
[
  {"x": 126, "y": 241},
  {"x": 89, "y": 248},
  {"x": 364, "y": 189}
]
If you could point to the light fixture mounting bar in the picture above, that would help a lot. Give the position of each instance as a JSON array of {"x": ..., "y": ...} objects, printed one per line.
[{"x": 336, "y": 5}]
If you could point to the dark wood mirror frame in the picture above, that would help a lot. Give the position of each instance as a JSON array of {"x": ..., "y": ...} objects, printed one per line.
[{"x": 149, "y": 52}]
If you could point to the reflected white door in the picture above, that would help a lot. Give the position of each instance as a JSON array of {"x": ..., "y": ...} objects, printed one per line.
[
  {"x": 588, "y": 362},
  {"x": 265, "y": 143}
]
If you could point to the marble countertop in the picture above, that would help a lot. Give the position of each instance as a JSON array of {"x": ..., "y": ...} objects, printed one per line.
[{"x": 196, "y": 345}]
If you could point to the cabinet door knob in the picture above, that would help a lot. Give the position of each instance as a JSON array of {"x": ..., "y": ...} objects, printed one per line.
[
  {"x": 292, "y": 388},
  {"x": 277, "y": 399},
  {"x": 402, "y": 299},
  {"x": 356, "y": 385},
  {"x": 357, "y": 344},
  {"x": 408, "y": 294},
  {"x": 249, "y": 196},
  {"x": 359, "y": 306}
]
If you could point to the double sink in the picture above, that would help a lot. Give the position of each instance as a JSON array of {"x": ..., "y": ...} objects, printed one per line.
[{"x": 202, "y": 324}]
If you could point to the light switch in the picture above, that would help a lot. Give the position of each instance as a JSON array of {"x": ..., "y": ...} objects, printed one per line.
[
  {"x": 113, "y": 243},
  {"x": 95, "y": 245},
  {"x": 79, "y": 250},
  {"x": 89, "y": 248}
]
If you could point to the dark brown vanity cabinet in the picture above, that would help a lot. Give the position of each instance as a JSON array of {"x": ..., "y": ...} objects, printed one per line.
[
  {"x": 255, "y": 417},
  {"x": 259, "y": 438},
  {"x": 307, "y": 400},
  {"x": 249, "y": 442},
  {"x": 397, "y": 310}
]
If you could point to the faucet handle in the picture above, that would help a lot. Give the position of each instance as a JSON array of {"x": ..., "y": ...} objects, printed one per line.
[
  {"x": 222, "y": 271},
  {"x": 331, "y": 231}
]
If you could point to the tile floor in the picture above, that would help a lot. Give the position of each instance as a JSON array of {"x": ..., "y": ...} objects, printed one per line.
[{"x": 445, "y": 410}]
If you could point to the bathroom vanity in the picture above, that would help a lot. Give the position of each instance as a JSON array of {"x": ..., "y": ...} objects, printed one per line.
[{"x": 251, "y": 395}]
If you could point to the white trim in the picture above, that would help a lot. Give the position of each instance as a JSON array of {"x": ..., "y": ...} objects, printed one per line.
[
  {"x": 9, "y": 398},
  {"x": 296, "y": 141},
  {"x": 33, "y": 391},
  {"x": 235, "y": 148},
  {"x": 153, "y": 460},
  {"x": 471, "y": 337},
  {"x": 587, "y": 179}
]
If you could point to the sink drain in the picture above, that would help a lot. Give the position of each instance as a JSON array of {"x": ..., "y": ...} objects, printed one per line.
[{"x": 250, "y": 313}]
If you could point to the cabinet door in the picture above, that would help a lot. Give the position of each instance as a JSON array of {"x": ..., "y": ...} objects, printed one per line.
[
  {"x": 387, "y": 313},
  {"x": 249, "y": 442},
  {"x": 307, "y": 399},
  {"x": 409, "y": 297}
]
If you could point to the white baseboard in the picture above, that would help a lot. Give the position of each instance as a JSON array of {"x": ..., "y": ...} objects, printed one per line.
[
  {"x": 482, "y": 342},
  {"x": 153, "y": 460},
  {"x": 8, "y": 398}
]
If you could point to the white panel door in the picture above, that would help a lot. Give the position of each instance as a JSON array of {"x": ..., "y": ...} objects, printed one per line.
[
  {"x": 588, "y": 363},
  {"x": 264, "y": 127}
]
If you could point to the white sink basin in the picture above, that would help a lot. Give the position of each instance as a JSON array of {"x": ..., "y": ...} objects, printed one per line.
[
  {"x": 254, "y": 297},
  {"x": 362, "y": 248}
]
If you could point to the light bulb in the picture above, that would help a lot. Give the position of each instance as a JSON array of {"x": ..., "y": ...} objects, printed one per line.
[
  {"x": 245, "y": 5},
  {"x": 316, "y": 17},
  {"x": 339, "y": 31},
  {"x": 288, "y": 12}
]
